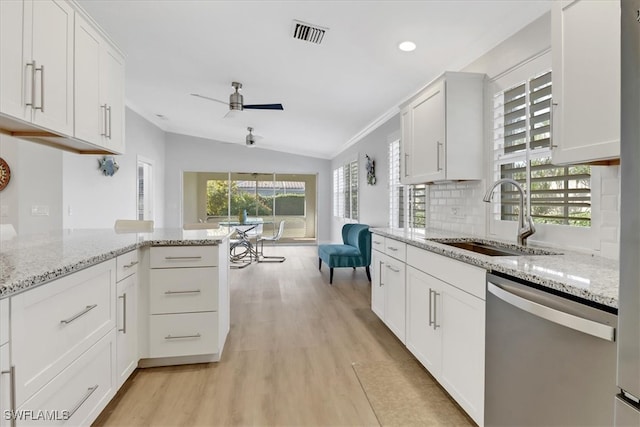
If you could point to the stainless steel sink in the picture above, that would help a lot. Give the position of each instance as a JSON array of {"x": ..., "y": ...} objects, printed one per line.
[{"x": 493, "y": 248}]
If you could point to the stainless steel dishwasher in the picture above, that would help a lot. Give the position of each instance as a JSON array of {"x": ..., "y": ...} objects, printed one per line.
[{"x": 550, "y": 361}]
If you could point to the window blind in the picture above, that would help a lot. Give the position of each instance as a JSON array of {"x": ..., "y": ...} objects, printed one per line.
[
  {"x": 396, "y": 189},
  {"x": 345, "y": 191},
  {"x": 522, "y": 132}
]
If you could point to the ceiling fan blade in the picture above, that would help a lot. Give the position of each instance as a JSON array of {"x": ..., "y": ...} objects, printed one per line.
[
  {"x": 210, "y": 99},
  {"x": 264, "y": 107}
]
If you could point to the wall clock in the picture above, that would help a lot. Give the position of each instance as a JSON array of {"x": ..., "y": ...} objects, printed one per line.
[{"x": 5, "y": 174}]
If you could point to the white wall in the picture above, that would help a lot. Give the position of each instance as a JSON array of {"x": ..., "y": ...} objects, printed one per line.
[
  {"x": 93, "y": 200},
  {"x": 36, "y": 180},
  {"x": 191, "y": 154},
  {"x": 373, "y": 199}
]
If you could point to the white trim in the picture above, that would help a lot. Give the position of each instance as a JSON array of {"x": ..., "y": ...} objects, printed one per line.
[{"x": 368, "y": 129}]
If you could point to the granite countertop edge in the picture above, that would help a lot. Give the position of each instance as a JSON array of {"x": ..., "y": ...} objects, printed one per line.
[
  {"x": 494, "y": 264},
  {"x": 32, "y": 281}
]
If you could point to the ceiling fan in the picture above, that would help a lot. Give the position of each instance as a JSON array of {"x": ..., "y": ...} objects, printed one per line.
[
  {"x": 250, "y": 138},
  {"x": 236, "y": 101}
]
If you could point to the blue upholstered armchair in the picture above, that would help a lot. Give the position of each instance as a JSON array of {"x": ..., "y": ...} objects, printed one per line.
[{"x": 355, "y": 252}]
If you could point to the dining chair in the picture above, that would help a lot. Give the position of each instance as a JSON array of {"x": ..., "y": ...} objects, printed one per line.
[
  {"x": 133, "y": 226},
  {"x": 275, "y": 238}
]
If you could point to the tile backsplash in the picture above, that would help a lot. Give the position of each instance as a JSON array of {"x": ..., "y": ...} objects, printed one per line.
[{"x": 457, "y": 207}]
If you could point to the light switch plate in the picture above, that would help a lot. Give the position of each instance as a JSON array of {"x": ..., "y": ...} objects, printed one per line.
[{"x": 39, "y": 210}]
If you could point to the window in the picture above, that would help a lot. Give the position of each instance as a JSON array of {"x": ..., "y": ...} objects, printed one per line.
[
  {"x": 143, "y": 190},
  {"x": 407, "y": 203},
  {"x": 522, "y": 131},
  {"x": 345, "y": 191}
]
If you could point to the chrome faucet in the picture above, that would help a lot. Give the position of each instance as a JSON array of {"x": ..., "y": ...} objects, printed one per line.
[{"x": 524, "y": 230}]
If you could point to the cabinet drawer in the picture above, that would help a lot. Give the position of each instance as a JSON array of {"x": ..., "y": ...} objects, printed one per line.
[
  {"x": 4, "y": 321},
  {"x": 80, "y": 392},
  {"x": 65, "y": 317},
  {"x": 395, "y": 249},
  {"x": 126, "y": 265},
  {"x": 463, "y": 276},
  {"x": 181, "y": 290},
  {"x": 184, "y": 256},
  {"x": 186, "y": 334},
  {"x": 377, "y": 242}
]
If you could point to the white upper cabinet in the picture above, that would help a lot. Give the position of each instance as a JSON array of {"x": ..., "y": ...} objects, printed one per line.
[
  {"x": 62, "y": 81},
  {"x": 99, "y": 94},
  {"x": 442, "y": 131},
  {"x": 586, "y": 80},
  {"x": 37, "y": 63}
]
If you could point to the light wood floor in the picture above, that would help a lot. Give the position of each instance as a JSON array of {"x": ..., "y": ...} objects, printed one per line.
[{"x": 288, "y": 357}]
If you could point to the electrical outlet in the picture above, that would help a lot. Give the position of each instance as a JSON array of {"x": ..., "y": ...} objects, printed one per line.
[{"x": 39, "y": 210}]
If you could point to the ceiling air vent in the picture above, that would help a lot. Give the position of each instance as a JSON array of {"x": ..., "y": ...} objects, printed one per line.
[{"x": 307, "y": 32}]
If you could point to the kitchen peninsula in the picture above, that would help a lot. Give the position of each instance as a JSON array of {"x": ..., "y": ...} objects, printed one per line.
[{"x": 103, "y": 303}]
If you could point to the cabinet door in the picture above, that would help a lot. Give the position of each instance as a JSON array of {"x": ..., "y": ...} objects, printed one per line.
[
  {"x": 90, "y": 113},
  {"x": 461, "y": 317},
  {"x": 127, "y": 328},
  {"x": 113, "y": 86},
  {"x": 406, "y": 143},
  {"x": 5, "y": 385},
  {"x": 377, "y": 283},
  {"x": 423, "y": 339},
  {"x": 14, "y": 72},
  {"x": 394, "y": 287},
  {"x": 428, "y": 150},
  {"x": 586, "y": 80},
  {"x": 52, "y": 43}
]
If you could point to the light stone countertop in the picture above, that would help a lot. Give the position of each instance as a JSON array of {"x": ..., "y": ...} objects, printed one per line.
[
  {"x": 589, "y": 277},
  {"x": 27, "y": 262}
]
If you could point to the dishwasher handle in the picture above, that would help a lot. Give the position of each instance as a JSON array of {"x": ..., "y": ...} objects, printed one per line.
[{"x": 577, "y": 323}]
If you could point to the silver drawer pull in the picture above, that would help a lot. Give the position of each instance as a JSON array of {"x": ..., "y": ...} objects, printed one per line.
[
  {"x": 377, "y": 243},
  {"x": 131, "y": 264},
  {"x": 82, "y": 313},
  {"x": 391, "y": 248},
  {"x": 90, "y": 391},
  {"x": 196, "y": 291},
  {"x": 176, "y": 337},
  {"x": 123, "y": 297},
  {"x": 181, "y": 257},
  {"x": 395, "y": 270}
]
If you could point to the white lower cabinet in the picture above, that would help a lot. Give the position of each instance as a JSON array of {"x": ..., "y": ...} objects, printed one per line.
[
  {"x": 79, "y": 393},
  {"x": 5, "y": 384},
  {"x": 436, "y": 306},
  {"x": 188, "y": 303},
  {"x": 127, "y": 316},
  {"x": 388, "y": 292}
]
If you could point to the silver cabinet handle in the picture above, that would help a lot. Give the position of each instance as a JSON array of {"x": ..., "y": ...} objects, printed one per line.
[
  {"x": 435, "y": 310},
  {"x": 377, "y": 243},
  {"x": 395, "y": 270},
  {"x": 82, "y": 313},
  {"x": 406, "y": 163},
  {"x": 109, "y": 122},
  {"x": 103, "y": 107},
  {"x": 195, "y": 291},
  {"x": 171, "y": 337},
  {"x": 430, "y": 305},
  {"x": 571, "y": 321},
  {"x": 123, "y": 297},
  {"x": 32, "y": 64},
  {"x": 12, "y": 392},
  {"x": 173, "y": 258},
  {"x": 438, "y": 145},
  {"x": 380, "y": 269},
  {"x": 391, "y": 248},
  {"x": 41, "y": 69},
  {"x": 131, "y": 264},
  {"x": 84, "y": 398}
]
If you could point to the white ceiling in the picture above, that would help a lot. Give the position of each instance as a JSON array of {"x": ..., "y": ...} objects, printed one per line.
[{"x": 331, "y": 92}]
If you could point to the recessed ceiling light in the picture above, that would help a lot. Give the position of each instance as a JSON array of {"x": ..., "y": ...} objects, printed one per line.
[{"x": 407, "y": 46}]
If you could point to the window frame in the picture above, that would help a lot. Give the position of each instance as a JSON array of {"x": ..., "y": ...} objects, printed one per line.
[
  {"x": 346, "y": 186},
  {"x": 582, "y": 238}
]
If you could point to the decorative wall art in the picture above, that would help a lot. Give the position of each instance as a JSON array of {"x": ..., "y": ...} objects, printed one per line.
[
  {"x": 108, "y": 165},
  {"x": 5, "y": 174},
  {"x": 371, "y": 170}
]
